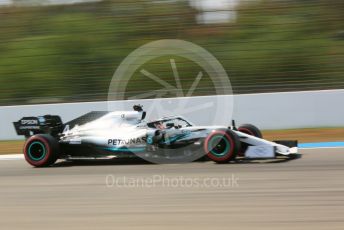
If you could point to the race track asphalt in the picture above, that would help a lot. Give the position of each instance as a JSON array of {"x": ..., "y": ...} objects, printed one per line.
[{"x": 306, "y": 193}]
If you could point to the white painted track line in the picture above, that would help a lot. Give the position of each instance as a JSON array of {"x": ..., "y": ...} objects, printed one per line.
[{"x": 11, "y": 157}]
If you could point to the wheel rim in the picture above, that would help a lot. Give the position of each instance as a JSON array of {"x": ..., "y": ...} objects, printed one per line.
[
  {"x": 219, "y": 146},
  {"x": 36, "y": 151}
]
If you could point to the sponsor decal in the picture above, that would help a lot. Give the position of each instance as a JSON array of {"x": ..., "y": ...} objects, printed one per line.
[
  {"x": 29, "y": 122},
  {"x": 141, "y": 140},
  {"x": 29, "y": 127},
  {"x": 150, "y": 140},
  {"x": 260, "y": 151}
]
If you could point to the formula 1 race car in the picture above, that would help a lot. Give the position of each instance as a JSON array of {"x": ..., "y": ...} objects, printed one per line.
[{"x": 127, "y": 134}]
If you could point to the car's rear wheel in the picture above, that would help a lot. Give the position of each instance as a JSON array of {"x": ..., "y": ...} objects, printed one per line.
[
  {"x": 41, "y": 150},
  {"x": 250, "y": 130},
  {"x": 222, "y": 146}
]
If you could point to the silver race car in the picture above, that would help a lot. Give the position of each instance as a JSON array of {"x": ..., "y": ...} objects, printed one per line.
[{"x": 126, "y": 134}]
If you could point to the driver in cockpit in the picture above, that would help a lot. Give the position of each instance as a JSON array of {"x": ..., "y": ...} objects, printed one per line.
[{"x": 159, "y": 125}]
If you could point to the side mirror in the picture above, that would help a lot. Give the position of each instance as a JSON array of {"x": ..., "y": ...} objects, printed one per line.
[{"x": 233, "y": 125}]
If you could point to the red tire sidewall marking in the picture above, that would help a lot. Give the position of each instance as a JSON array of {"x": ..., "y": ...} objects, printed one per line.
[
  {"x": 225, "y": 157},
  {"x": 46, "y": 145}
]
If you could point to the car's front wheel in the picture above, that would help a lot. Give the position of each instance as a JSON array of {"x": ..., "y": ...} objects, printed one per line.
[
  {"x": 222, "y": 146},
  {"x": 250, "y": 130},
  {"x": 41, "y": 150}
]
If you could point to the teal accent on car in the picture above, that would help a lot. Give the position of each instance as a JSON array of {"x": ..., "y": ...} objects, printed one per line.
[
  {"x": 217, "y": 139},
  {"x": 124, "y": 149},
  {"x": 30, "y": 151},
  {"x": 149, "y": 140},
  {"x": 175, "y": 138}
]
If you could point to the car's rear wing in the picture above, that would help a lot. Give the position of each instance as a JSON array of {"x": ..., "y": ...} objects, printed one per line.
[{"x": 28, "y": 126}]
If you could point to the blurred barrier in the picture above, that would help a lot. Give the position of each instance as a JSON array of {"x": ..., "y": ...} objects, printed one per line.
[
  {"x": 267, "y": 111},
  {"x": 68, "y": 53}
]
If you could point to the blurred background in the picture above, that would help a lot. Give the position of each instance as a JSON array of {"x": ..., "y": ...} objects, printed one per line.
[{"x": 68, "y": 50}]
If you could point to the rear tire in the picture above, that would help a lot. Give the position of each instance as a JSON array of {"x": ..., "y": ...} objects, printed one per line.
[
  {"x": 41, "y": 150},
  {"x": 222, "y": 146}
]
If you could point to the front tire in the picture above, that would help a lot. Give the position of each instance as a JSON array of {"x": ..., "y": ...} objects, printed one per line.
[
  {"x": 222, "y": 146},
  {"x": 250, "y": 130},
  {"x": 41, "y": 150}
]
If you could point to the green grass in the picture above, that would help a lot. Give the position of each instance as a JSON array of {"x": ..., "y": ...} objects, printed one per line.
[{"x": 11, "y": 147}]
